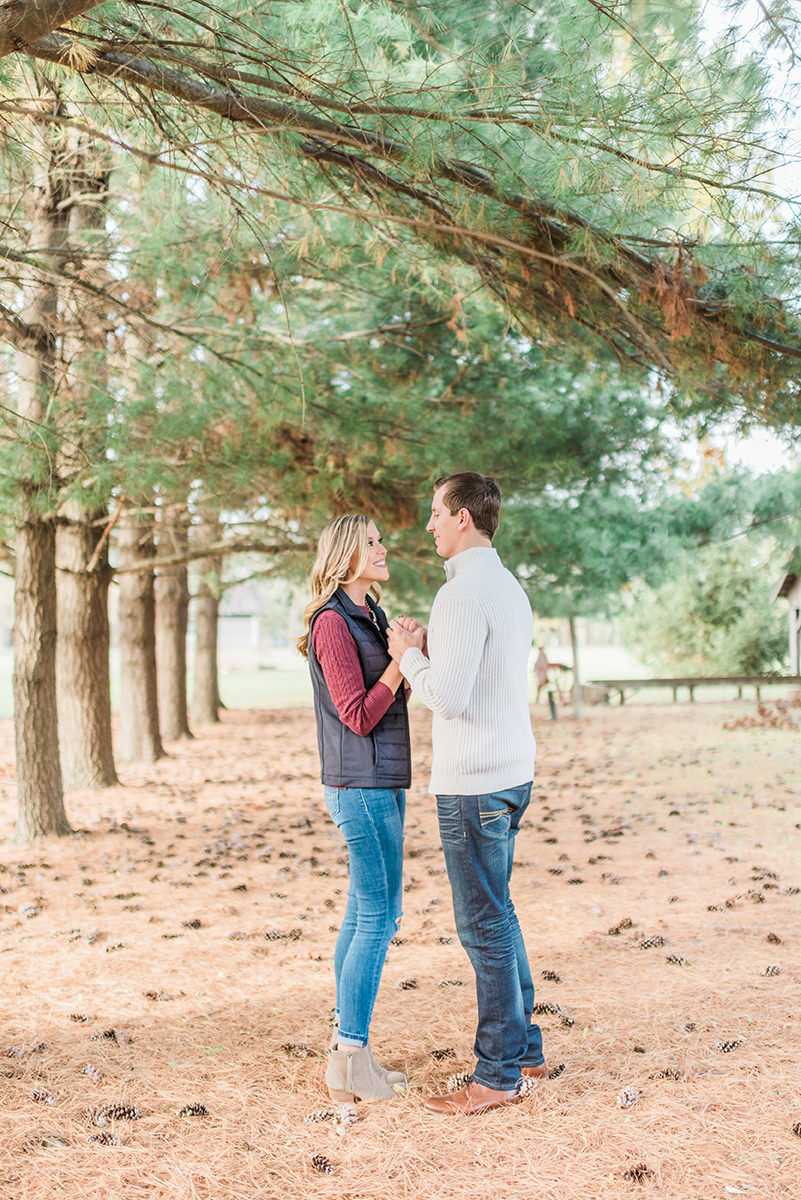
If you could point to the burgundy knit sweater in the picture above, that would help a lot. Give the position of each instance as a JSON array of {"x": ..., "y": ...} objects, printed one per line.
[{"x": 359, "y": 709}]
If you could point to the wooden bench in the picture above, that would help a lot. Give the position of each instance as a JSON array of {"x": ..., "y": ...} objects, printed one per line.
[{"x": 691, "y": 682}]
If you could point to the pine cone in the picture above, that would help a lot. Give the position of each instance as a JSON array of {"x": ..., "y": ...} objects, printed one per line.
[
  {"x": 344, "y": 1115},
  {"x": 115, "y": 1112},
  {"x": 627, "y": 1096},
  {"x": 526, "y": 1086},
  {"x": 193, "y": 1110},
  {"x": 455, "y": 1083},
  {"x": 322, "y": 1164},
  {"x": 656, "y": 939},
  {"x": 555, "y": 1072},
  {"x": 668, "y": 1073},
  {"x": 42, "y": 1096},
  {"x": 552, "y": 976},
  {"x": 677, "y": 960},
  {"x": 797, "y": 1129},
  {"x": 638, "y": 1173},
  {"x": 93, "y": 1072},
  {"x": 726, "y": 1047},
  {"x": 118, "y": 1036},
  {"x": 405, "y": 985},
  {"x": 439, "y": 1055},
  {"x": 106, "y": 1138},
  {"x": 774, "y": 938},
  {"x": 773, "y": 969},
  {"x": 626, "y": 923},
  {"x": 297, "y": 1050},
  {"x": 450, "y": 983},
  {"x": 320, "y": 1114}
]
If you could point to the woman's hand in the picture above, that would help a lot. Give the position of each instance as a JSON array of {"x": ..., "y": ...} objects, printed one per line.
[
  {"x": 403, "y": 633},
  {"x": 412, "y": 626}
]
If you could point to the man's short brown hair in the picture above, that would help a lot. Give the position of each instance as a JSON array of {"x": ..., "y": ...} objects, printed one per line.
[{"x": 479, "y": 494}]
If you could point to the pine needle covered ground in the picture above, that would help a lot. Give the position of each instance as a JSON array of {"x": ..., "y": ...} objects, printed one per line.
[{"x": 167, "y": 977}]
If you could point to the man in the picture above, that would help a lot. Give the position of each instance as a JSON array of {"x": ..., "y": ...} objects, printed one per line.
[{"x": 470, "y": 669}]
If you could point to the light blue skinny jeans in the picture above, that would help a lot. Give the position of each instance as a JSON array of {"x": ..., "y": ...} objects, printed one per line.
[{"x": 371, "y": 823}]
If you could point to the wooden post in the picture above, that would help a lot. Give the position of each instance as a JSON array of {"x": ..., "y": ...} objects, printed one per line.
[{"x": 578, "y": 700}]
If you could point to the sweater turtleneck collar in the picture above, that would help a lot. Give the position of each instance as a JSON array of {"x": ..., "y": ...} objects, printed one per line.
[{"x": 468, "y": 558}]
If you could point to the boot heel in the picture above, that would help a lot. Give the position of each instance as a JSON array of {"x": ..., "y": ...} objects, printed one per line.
[{"x": 340, "y": 1097}]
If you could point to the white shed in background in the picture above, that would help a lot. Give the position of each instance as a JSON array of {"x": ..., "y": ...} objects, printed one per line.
[{"x": 789, "y": 586}]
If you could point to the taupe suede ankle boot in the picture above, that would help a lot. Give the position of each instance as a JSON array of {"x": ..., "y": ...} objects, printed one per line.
[
  {"x": 392, "y": 1077},
  {"x": 351, "y": 1075}
]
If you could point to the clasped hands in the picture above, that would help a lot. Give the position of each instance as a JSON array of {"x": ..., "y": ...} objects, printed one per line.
[{"x": 403, "y": 633}]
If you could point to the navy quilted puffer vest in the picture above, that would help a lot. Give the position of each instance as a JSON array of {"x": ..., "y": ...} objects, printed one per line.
[{"x": 381, "y": 759}]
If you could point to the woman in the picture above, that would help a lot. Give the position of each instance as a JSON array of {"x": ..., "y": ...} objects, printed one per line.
[{"x": 363, "y": 739}]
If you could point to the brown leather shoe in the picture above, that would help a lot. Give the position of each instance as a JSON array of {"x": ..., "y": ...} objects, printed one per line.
[
  {"x": 540, "y": 1072},
  {"x": 469, "y": 1100}
]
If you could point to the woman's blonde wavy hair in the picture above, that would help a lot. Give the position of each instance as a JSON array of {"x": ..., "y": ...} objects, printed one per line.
[{"x": 341, "y": 558}]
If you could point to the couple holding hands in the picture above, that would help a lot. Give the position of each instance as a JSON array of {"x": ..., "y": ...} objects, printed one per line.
[{"x": 470, "y": 669}]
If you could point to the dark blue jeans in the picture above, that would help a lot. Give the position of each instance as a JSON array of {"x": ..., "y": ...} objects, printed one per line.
[
  {"x": 371, "y": 822},
  {"x": 478, "y": 837}
]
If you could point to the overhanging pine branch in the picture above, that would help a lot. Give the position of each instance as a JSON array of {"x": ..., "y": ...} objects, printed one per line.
[
  {"x": 654, "y": 305},
  {"x": 24, "y": 21}
]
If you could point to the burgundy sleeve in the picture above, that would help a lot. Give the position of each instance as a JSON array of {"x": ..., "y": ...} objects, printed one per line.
[{"x": 358, "y": 708}]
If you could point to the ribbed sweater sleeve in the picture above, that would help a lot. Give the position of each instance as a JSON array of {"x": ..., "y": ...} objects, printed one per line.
[
  {"x": 445, "y": 680},
  {"x": 359, "y": 708}
]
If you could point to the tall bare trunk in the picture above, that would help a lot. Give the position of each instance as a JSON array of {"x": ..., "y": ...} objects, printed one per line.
[
  {"x": 172, "y": 619},
  {"x": 139, "y": 737},
  {"x": 84, "y": 699},
  {"x": 41, "y": 802},
  {"x": 205, "y": 687},
  {"x": 578, "y": 694}
]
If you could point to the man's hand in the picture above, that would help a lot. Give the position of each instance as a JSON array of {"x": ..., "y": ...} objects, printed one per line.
[{"x": 404, "y": 632}]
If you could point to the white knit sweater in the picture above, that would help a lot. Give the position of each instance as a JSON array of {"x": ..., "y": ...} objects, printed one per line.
[{"x": 474, "y": 679}]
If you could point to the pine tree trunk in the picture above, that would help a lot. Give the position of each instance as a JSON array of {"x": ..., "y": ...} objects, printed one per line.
[
  {"x": 41, "y": 804},
  {"x": 205, "y": 687},
  {"x": 82, "y": 580},
  {"x": 39, "y": 783},
  {"x": 84, "y": 697},
  {"x": 139, "y": 737},
  {"x": 172, "y": 619},
  {"x": 578, "y": 694}
]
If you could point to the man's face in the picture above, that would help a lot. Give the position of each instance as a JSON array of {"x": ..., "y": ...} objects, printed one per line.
[{"x": 446, "y": 527}]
